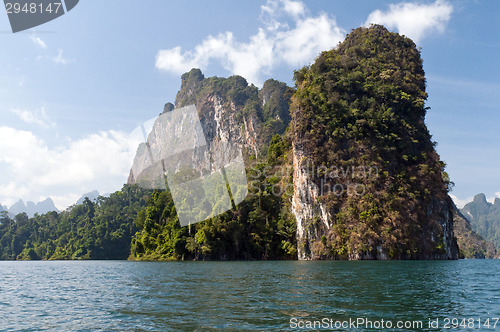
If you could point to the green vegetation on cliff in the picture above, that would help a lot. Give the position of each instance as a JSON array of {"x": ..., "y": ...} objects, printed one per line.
[
  {"x": 266, "y": 110},
  {"x": 260, "y": 228},
  {"x": 362, "y": 105}
]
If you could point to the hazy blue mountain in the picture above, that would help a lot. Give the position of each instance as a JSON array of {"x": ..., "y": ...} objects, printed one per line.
[
  {"x": 45, "y": 206},
  {"x": 484, "y": 218},
  {"x": 18, "y": 207},
  {"x": 91, "y": 195},
  {"x": 30, "y": 208}
]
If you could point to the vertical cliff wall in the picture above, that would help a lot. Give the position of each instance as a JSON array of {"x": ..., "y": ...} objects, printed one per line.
[
  {"x": 368, "y": 183},
  {"x": 232, "y": 116},
  {"x": 230, "y": 110}
]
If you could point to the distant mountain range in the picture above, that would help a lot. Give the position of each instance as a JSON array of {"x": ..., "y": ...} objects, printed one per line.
[
  {"x": 31, "y": 208},
  {"x": 91, "y": 195},
  {"x": 484, "y": 218}
]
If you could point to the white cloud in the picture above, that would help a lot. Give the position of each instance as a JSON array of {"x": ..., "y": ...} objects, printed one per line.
[
  {"x": 311, "y": 36},
  {"x": 62, "y": 202},
  {"x": 275, "y": 8},
  {"x": 295, "y": 8},
  {"x": 38, "y": 42},
  {"x": 414, "y": 20},
  {"x": 59, "y": 59},
  {"x": 99, "y": 161},
  {"x": 492, "y": 199},
  {"x": 460, "y": 203},
  {"x": 274, "y": 43},
  {"x": 38, "y": 117},
  {"x": 14, "y": 191}
]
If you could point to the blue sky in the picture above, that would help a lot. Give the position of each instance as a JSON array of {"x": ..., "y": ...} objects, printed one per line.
[{"x": 72, "y": 89}]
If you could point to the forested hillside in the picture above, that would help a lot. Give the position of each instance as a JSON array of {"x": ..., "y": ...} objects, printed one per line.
[{"x": 92, "y": 230}]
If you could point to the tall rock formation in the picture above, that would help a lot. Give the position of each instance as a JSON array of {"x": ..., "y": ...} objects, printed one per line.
[
  {"x": 229, "y": 113},
  {"x": 232, "y": 112},
  {"x": 484, "y": 217},
  {"x": 368, "y": 183}
]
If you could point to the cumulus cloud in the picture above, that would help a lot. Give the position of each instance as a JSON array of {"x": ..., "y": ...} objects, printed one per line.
[
  {"x": 294, "y": 8},
  {"x": 38, "y": 42},
  {"x": 415, "y": 20},
  {"x": 289, "y": 35},
  {"x": 38, "y": 117},
  {"x": 99, "y": 161}
]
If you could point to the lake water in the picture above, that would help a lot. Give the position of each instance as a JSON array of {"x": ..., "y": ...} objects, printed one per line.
[{"x": 189, "y": 296}]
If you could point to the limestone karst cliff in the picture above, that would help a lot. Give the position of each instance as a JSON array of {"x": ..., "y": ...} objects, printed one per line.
[
  {"x": 368, "y": 183},
  {"x": 349, "y": 144},
  {"x": 484, "y": 218},
  {"x": 234, "y": 116}
]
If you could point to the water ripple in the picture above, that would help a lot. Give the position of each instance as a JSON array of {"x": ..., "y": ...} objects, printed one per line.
[{"x": 211, "y": 296}]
